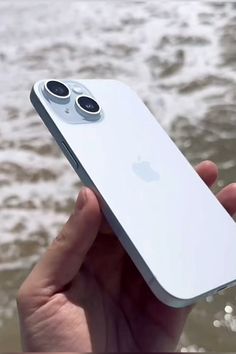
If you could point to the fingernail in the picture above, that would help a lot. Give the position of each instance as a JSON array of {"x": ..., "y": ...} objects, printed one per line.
[{"x": 82, "y": 198}]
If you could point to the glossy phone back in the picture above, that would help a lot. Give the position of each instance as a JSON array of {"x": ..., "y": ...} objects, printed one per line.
[{"x": 177, "y": 233}]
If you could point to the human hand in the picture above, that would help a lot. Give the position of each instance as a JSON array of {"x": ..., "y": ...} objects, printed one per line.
[{"x": 85, "y": 294}]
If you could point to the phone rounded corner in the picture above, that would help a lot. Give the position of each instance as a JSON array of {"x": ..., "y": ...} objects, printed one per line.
[
  {"x": 32, "y": 93},
  {"x": 33, "y": 96},
  {"x": 167, "y": 298},
  {"x": 37, "y": 85},
  {"x": 35, "y": 91}
]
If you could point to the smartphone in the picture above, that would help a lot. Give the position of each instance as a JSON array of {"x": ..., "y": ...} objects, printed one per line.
[{"x": 178, "y": 235}]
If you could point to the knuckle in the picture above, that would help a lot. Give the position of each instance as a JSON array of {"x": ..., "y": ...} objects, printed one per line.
[
  {"x": 64, "y": 234},
  {"x": 62, "y": 239}
]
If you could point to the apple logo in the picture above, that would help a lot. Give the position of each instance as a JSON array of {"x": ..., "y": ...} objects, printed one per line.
[{"x": 144, "y": 170}]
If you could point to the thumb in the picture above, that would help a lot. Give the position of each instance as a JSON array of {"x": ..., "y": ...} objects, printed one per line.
[{"x": 65, "y": 256}]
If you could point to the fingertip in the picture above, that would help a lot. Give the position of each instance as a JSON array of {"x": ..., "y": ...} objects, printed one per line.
[
  {"x": 227, "y": 197},
  {"x": 86, "y": 197},
  {"x": 90, "y": 194},
  {"x": 91, "y": 206},
  {"x": 91, "y": 198},
  {"x": 208, "y": 171},
  {"x": 81, "y": 199},
  {"x": 232, "y": 187},
  {"x": 209, "y": 163},
  {"x": 209, "y": 166},
  {"x": 230, "y": 192}
]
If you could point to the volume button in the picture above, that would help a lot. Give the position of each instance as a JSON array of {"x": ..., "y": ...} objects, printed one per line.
[{"x": 68, "y": 152}]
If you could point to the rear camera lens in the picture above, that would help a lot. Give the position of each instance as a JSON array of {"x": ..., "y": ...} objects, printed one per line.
[
  {"x": 57, "y": 89},
  {"x": 88, "y": 105}
]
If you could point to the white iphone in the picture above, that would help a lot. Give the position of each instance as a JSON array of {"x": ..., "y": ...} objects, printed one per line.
[{"x": 170, "y": 223}]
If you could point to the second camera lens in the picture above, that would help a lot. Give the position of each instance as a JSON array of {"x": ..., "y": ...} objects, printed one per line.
[{"x": 88, "y": 106}]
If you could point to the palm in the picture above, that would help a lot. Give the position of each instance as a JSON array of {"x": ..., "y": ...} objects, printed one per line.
[
  {"x": 144, "y": 323},
  {"x": 110, "y": 307}
]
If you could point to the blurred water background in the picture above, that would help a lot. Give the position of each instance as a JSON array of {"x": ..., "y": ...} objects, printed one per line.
[{"x": 181, "y": 59}]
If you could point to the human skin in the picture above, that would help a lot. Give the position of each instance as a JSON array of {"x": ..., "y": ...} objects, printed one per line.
[{"x": 85, "y": 294}]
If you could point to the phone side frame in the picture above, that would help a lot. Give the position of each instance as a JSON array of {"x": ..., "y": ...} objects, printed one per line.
[{"x": 142, "y": 267}]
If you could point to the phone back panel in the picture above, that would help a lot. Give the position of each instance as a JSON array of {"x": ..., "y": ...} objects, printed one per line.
[{"x": 183, "y": 234}]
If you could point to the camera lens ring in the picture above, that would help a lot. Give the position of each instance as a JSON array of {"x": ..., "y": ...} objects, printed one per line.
[
  {"x": 62, "y": 85},
  {"x": 93, "y": 112}
]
